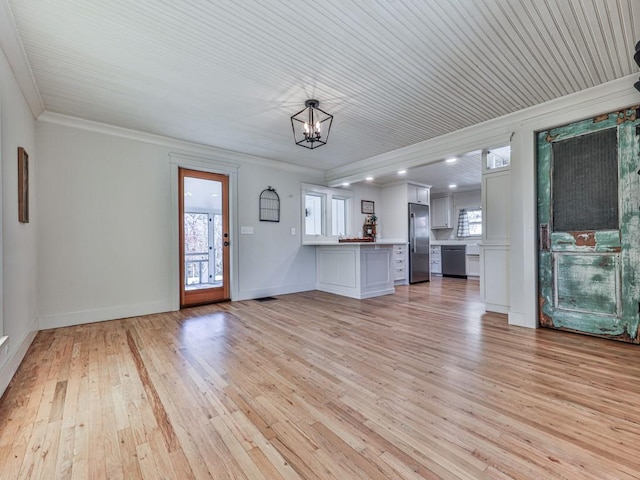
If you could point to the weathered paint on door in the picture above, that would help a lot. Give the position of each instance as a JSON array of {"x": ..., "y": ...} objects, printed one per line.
[{"x": 589, "y": 226}]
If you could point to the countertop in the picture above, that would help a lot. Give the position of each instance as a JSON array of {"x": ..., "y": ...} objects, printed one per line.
[
  {"x": 455, "y": 242},
  {"x": 379, "y": 242}
]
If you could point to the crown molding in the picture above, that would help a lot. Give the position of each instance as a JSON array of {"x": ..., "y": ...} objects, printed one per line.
[
  {"x": 496, "y": 132},
  {"x": 176, "y": 147},
  {"x": 17, "y": 58}
]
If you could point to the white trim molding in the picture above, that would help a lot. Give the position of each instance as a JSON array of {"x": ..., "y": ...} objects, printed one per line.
[
  {"x": 81, "y": 317},
  {"x": 16, "y": 56},
  {"x": 212, "y": 164},
  {"x": 191, "y": 150},
  {"x": 10, "y": 365}
]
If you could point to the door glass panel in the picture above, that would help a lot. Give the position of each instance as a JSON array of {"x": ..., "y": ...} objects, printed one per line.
[
  {"x": 203, "y": 254},
  {"x": 196, "y": 248},
  {"x": 585, "y": 182}
]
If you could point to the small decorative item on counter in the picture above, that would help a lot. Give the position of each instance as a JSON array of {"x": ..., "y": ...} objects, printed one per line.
[
  {"x": 369, "y": 228},
  {"x": 355, "y": 240}
]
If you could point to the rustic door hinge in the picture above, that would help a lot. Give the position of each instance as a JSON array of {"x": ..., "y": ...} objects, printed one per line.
[{"x": 545, "y": 240}]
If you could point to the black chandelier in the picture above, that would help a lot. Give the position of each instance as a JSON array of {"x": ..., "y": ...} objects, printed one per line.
[{"x": 311, "y": 125}]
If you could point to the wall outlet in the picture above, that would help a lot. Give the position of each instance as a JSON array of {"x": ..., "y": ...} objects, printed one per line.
[
  {"x": 293, "y": 230},
  {"x": 246, "y": 230}
]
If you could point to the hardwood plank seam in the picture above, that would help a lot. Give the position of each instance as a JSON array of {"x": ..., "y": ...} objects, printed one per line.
[{"x": 159, "y": 412}]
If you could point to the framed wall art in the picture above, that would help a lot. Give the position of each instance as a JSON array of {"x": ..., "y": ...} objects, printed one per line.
[
  {"x": 367, "y": 206},
  {"x": 23, "y": 185}
]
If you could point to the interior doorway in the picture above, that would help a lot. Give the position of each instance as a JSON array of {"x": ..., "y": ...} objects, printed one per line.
[{"x": 203, "y": 199}]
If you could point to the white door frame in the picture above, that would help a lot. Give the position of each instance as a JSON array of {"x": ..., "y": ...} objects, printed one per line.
[{"x": 212, "y": 165}]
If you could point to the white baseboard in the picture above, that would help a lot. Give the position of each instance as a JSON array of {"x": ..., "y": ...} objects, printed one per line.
[
  {"x": 270, "y": 292},
  {"x": 11, "y": 364},
  {"x": 493, "y": 307},
  {"x": 520, "y": 320},
  {"x": 102, "y": 314}
]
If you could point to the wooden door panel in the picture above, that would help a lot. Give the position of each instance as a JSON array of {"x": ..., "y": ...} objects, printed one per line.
[
  {"x": 587, "y": 283},
  {"x": 589, "y": 226}
]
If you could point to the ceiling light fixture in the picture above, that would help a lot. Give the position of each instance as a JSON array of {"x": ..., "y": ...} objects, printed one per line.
[
  {"x": 345, "y": 184},
  {"x": 453, "y": 185},
  {"x": 311, "y": 125},
  {"x": 369, "y": 179},
  {"x": 401, "y": 172},
  {"x": 451, "y": 160}
]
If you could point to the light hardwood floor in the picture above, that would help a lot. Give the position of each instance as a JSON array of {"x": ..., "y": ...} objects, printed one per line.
[{"x": 422, "y": 384}]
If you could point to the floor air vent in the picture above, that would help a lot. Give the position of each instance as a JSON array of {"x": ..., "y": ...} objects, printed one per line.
[{"x": 264, "y": 299}]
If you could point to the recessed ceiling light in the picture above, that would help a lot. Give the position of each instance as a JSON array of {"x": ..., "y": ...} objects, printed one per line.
[
  {"x": 401, "y": 172},
  {"x": 451, "y": 160},
  {"x": 345, "y": 184},
  {"x": 369, "y": 179},
  {"x": 453, "y": 185}
]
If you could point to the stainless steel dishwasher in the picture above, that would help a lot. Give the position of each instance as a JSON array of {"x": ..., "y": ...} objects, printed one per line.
[{"x": 454, "y": 261}]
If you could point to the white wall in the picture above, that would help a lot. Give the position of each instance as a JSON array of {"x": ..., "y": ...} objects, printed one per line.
[
  {"x": 272, "y": 261},
  {"x": 362, "y": 191},
  {"x": 19, "y": 267},
  {"x": 394, "y": 212},
  {"x": 472, "y": 198},
  {"x": 106, "y": 247}
]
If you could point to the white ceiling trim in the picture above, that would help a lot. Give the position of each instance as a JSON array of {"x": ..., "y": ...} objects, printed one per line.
[
  {"x": 193, "y": 149},
  {"x": 16, "y": 56},
  {"x": 477, "y": 137},
  {"x": 618, "y": 93}
]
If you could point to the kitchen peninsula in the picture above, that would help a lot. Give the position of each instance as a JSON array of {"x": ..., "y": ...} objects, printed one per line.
[{"x": 358, "y": 269}]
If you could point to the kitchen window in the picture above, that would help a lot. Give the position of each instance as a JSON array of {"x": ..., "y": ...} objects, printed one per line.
[
  {"x": 313, "y": 214},
  {"x": 469, "y": 222},
  {"x": 475, "y": 222},
  {"x": 339, "y": 216},
  {"x": 325, "y": 213}
]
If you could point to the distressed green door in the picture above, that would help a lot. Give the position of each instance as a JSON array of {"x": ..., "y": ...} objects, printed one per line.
[{"x": 589, "y": 226}]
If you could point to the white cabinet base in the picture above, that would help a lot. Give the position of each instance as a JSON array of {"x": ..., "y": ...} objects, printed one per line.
[
  {"x": 400, "y": 264},
  {"x": 473, "y": 265},
  {"x": 435, "y": 257},
  {"x": 355, "y": 270},
  {"x": 494, "y": 274}
]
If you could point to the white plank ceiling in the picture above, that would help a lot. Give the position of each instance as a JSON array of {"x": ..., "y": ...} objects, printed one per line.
[{"x": 393, "y": 72}]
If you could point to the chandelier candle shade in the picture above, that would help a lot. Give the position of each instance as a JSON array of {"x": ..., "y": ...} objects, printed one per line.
[{"x": 311, "y": 125}]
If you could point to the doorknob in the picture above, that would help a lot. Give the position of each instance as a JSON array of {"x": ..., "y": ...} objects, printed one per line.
[{"x": 226, "y": 244}]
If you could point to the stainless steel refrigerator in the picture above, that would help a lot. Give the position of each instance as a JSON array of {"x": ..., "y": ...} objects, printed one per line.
[{"x": 418, "y": 243}]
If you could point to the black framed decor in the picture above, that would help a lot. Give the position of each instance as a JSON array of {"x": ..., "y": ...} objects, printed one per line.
[
  {"x": 269, "y": 205},
  {"x": 367, "y": 207}
]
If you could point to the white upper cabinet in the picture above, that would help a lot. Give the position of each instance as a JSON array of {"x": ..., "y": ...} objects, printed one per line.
[
  {"x": 417, "y": 194},
  {"x": 441, "y": 213}
]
